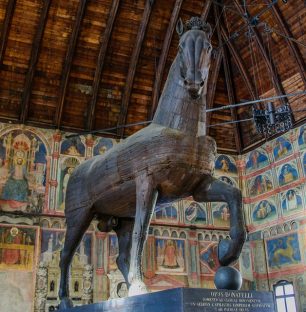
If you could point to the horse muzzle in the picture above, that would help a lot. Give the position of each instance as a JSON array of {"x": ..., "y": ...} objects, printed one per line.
[
  {"x": 194, "y": 93},
  {"x": 194, "y": 88}
]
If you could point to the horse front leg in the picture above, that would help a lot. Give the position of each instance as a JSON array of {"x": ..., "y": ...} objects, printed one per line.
[
  {"x": 146, "y": 198},
  {"x": 213, "y": 190}
]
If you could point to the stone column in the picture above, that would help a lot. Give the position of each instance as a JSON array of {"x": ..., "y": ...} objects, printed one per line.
[
  {"x": 101, "y": 283},
  {"x": 41, "y": 289},
  {"x": 87, "y": 296},
  {"x": 149, "y": 257},
  {"x": 194, "y": 265},
  {"x": 54, "y": 168}
]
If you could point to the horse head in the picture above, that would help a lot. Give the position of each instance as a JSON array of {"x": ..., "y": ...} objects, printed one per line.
[{"x": 194, "y": 54}]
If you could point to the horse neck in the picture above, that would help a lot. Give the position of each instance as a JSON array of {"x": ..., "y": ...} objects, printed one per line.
[{"x": 177, "y": 110}]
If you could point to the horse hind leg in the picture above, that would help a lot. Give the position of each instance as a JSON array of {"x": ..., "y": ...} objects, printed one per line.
[
  {"x": 74, "y": 234},
  {"x": 124, "y": 233}
]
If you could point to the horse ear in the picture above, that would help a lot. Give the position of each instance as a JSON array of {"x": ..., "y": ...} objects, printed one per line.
[
  {"x": 180, "y": 27},
  {"x": 208, "y": 30}
]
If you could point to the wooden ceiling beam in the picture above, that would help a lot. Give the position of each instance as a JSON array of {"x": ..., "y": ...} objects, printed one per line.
[
  {"x": 232, "y": 99},
  {"x": 269, "y": 63},
  {"x": 284, "y": 28},
  {"x": 240, "y": 64},
  {"x": 206, "y": 9},
  {"x": 213, "y": 84},
  {"x": 33, "y": 60},
  {"x": 229, "y": 85},
  {"x": 10, "y": 8},
  {"x": 100, "y": 63},
  {"x": 68, "y": 61},
  {"x": 163, "y": 57},
  {"x": 133, "y": 64}
]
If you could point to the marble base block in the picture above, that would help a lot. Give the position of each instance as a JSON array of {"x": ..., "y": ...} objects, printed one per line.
[{"x": 187, "y": 300}]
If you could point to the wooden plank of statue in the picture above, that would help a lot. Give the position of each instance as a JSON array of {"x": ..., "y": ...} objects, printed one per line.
[{"x": 170, "y": 159}]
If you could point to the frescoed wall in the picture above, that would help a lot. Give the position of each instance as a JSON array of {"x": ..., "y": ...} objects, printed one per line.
[
  {"x": 181, "y": 250},
  {"x": 170, "y": 255},
  {"x": 273, "y": 179}
]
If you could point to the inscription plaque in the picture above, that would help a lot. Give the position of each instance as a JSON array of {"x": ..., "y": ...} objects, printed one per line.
[
  {"x": 228, "y": 301},
  {"x": 188, "y": 300}
]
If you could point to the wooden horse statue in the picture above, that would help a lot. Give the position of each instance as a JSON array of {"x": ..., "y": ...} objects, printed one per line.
[{"x": 172, "y": 158}]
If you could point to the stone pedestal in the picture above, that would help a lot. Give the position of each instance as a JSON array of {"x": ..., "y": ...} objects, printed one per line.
[{"x": 187, "y": 300}]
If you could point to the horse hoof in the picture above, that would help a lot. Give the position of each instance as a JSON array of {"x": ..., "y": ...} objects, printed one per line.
[
  {"x": 137, "y": 288},
  {"x": 65, "y": 304}
]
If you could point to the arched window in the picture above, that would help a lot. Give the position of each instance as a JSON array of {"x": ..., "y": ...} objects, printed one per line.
[
  {"x": 284, "y": 297},
  {"x": 52, "y": 286},
  {"x": 76, "y": 286}
]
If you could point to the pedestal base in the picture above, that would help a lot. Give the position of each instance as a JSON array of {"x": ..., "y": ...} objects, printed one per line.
[{"x": 187, "y": 300}]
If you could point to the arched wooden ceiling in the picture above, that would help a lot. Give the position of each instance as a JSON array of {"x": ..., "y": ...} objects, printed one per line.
[{"x": 93, "y": 64}]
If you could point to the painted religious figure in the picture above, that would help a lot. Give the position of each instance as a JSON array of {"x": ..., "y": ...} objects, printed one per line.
[
  {"x": 17, "y": 247},
  {"x": 102, "y": 146},
  {"x": 287, "y": 174},
  {"x": 166, "y": 213},
  {"x": 73, "y": 147},
  {"x": 264, "y": 211},
  {"x": 304, "y": 163},
  {"x": 209, "y": 257},
  {"x": 257, "y": 159},
  {"x": 113, "y": 252},
  {"x": 170, "y": 255},
  {"x": 23, "y": 166},
  {"x": 282, "y": 148},
  {"x": 221, "y": 214},
  {"x": 260, "y": 184},
  {"x": 245, "y": 262},
  {"x": 195, "y": 213},
  {"x": 283, "y": 251},
  {"x": 302, "y": 137},
  {"x": 225, "y": 164},
  {"x": 66, "y": 168},
  {"x": 291, "y": 201}
]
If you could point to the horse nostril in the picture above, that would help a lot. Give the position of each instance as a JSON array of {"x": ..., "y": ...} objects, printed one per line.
[
  {"x": 185, "y": 82},
  {"x": 202, "y": 83}
]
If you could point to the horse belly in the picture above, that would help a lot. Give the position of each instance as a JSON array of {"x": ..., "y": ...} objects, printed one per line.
[{"x": 117, "y": 201}]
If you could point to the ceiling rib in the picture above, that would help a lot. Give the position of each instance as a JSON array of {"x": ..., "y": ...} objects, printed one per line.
[
  {"x": 68, "y": 61},
  {"x": 100, "y": 63},
  {"x": 206, "y": 9},
  {"x": 292, "y": 46},
  {"x": 6, "y": 27},
  {"x": 163, "y": 56},
  {"x": 240, "y": 64},
  {"x": 33, "y": 61},
  {"x": 133, "y": 64},
  {"x": 270, "y": 64},
  {"x": 232, "y": 99},
  {"x": 212, "y": 90},
  {"x": 229, "y": 84}
]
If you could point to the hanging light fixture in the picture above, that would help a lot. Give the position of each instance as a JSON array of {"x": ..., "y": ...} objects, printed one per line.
[{"x": 272, "y": 121}]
